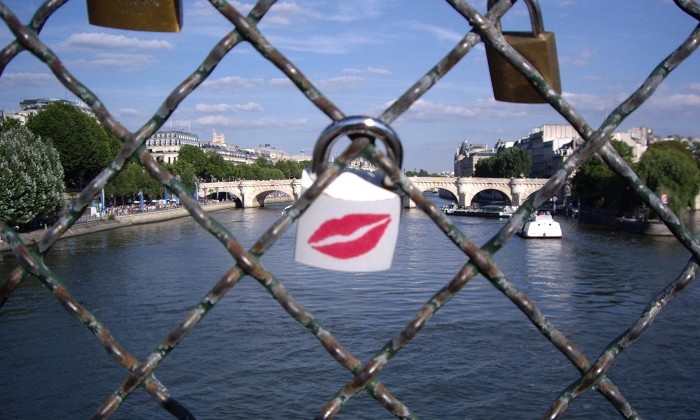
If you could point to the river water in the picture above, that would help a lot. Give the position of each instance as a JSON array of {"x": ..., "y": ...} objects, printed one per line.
[{"x": 478, "y": 358}]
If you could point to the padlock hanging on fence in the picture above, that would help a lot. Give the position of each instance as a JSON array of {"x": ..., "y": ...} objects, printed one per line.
[
  {"x": 354, "y": 224},
  {"x": 538, "y": 47},
  {"x": 137, "y": 15}
]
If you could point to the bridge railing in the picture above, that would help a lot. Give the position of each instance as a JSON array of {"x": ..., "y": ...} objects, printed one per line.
[{"x": 594, "y": 373}]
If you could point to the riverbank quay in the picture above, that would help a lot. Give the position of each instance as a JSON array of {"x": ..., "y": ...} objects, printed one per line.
[{"x": 119, "y": 221}]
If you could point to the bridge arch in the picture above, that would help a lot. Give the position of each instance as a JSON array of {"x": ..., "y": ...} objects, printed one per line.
[
  {"x": 260, "y": 196},
  {"x": 253, "y": 193},
  {"x": 490, "y": 196},
  {"x": 223, "y": 196},
  {"x": 424, "y": 184}
]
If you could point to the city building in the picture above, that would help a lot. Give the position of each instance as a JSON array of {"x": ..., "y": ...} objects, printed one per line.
[
  {"x": 301, "y": 157},
  {"x": 165, "y": 145},
  {"x": 466, "y": 157},
  {"x": 638, "y": 138},
  {"x": 229, "y": 152},
  {"x": 31, "y": 107},
  {"x": 549, "y": 145},
  {"x": 268, "y": 152}
]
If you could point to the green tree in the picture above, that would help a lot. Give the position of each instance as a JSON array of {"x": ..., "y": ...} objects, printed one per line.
[
  {"x": 196, "y": 157},
  {"x": 695, "y": 150},
  {"x": 83, "y": 144},
  {"x": 9, "y": 123},
  {"x": 185, "y": 172},
  {"x": 484, "y": 167},
  {"x": 132, "y": 179},
  {"x": 598, "y": 186},
  {"x": 670, "y": 168},
  {"x": 420, "y": 172},
  {"x": 292, "y": 168},
  {"x": 31, "y": 176},
  {"x": 262, "y": 162},
  {"x": 216, "y": 166},
  {"x": 513, "y": 162}
]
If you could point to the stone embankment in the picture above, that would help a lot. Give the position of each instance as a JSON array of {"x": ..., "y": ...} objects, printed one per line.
[{"x": 31, "y": 238}]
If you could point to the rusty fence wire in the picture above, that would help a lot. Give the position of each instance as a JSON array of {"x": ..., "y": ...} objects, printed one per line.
[{"x": 247, "y": 262}]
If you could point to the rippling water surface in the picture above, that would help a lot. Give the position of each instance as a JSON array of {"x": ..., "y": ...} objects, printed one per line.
[{"x": 478, "y": 358}]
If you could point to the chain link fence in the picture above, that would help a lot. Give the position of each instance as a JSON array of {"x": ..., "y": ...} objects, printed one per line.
[{"x": 366, "y": 373}]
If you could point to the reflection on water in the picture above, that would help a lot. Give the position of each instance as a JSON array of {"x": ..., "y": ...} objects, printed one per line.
[{"x": 478, "y": 358}]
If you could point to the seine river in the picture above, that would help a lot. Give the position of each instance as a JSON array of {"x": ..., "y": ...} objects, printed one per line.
[{"x": 478, "y": 358}]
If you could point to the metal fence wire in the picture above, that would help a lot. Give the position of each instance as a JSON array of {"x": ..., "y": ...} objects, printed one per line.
[{"x": 247, "y": 262}]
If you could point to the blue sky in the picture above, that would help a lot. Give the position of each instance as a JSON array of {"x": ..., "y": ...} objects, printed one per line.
[{"x": 363, "y": 55}]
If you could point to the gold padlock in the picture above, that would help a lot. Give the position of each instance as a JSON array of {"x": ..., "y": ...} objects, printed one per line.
[
  {"x": 538, "y": 47},
  {"x": 137, "y": 15}
]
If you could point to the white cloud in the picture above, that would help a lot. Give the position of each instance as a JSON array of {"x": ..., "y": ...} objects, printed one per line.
[
  {"x": 128, "y": 112},
  {"x": 201, "y": 8},
  {"x": 123, "y": 62},
  {"x": 369, "y": 70},
  {"x": 231, "y": 82},
  {"x": 482, "y": 109},
  {"x": 582, "y": 59},
  {"x": 439, "y": 32},
  {"x": 27, "y": 79},
  {"x": 326, "y": 44},
  {"x": 223, "y": 108},
  {"x": 228, "y": 121},
  {"x": 591, "y": 102},
  {"x": 285, "y": 14},
  {"x": 339, "y": 83},
  {"x": 281, "y": 81},
  {"x": 679, "y": 100},
  {"x": 101, "y": 41},
  {"x": 356, "y": 10}
]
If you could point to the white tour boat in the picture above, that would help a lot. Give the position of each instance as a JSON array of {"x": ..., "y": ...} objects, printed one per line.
[{"x": 541, "y": 225}]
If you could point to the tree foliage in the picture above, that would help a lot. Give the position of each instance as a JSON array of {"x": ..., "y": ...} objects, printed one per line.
[
  {"x": 419, "y": 172},
  {"x": 484, "y": 167},
  {"x": 185, "y": 172},
  {"x": 195, "y": 157},
  {"x": 83, "y": 144},
  {"x": 598, "y": 186},
  {"x": 512, "y": 162},
  {"x": 132, "y": 179},
  {"x": 670, "y": 168},
  {"x": 31, "y": 176}
]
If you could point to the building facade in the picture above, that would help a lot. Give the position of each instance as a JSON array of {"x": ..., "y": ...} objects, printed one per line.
[
  {"x": 638, "y": 138},
  {"x": 229, "y": 152},
  {"x": 165, "y": 145},
  {"x": 30, "y": 107},
  {"x": 549, "y": 145},
  {"x": 466, "y": 157}
]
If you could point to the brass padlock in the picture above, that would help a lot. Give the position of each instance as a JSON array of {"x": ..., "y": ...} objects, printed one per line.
[
  {"x": 137, "y": 15},
  {"x": 538, "y": 47}
]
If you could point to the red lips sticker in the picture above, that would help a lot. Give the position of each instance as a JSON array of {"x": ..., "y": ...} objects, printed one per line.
[{"x": 350, "y": 236}]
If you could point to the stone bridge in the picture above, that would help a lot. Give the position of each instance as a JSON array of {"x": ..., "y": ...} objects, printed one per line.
[
  {"x": 250, "y": 193},
  {"x": 514, "y": 190},
  {"x": 253, "y": 193}
]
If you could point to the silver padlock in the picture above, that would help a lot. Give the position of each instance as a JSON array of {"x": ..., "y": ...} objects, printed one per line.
[{"x": 354, "y": 224}]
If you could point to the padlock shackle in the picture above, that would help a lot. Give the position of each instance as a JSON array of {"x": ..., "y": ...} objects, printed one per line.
[
  {"x": 355, "y": 125},
  {"x": 535, "y": 15}
]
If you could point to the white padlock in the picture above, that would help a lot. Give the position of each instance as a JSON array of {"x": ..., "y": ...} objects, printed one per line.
[{"x": 354, "y": 224}]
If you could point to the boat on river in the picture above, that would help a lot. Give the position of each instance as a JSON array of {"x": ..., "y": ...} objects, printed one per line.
[
  {"x": 541, "y": 225},
  {"x": 494, "y": 211}
]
